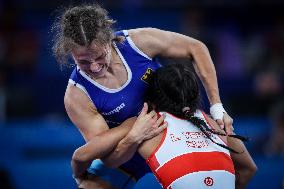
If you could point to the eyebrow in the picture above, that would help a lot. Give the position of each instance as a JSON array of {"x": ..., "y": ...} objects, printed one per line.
[{"x": 84, "y": 62}]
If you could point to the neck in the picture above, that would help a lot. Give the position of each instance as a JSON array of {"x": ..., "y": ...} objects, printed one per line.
[{"x": 114, "y": 56}]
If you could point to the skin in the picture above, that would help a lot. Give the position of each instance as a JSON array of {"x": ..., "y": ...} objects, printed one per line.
[
  {"x": 245, "y": 167},
  {"x": 153, "y": 42},
  {"x": 104, "y": 66},
  {"x": 128, "y": 132}
]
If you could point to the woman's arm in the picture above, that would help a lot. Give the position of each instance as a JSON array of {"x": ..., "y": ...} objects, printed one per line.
[
  {"x": 244, "y": 165},
  {"x": 93, "y": 127},
  {"x": 132, "y": 132},
  {"x": 155, "y": 42},
  {"x": 95, "y": 148},
  {"x": 139, "y": 132}
]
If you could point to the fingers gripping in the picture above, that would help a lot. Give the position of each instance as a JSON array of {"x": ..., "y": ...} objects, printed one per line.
[
  {"x": 144, "y": 110},
  {"x": 228, "y": 122},
  {"x": 220, "y": 123}
]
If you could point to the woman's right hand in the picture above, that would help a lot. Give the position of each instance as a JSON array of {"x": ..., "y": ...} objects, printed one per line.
[{"x": 147, "y": 125}]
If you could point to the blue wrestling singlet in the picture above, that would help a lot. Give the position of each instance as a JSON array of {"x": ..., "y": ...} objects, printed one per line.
[{"x": 116, "y": 105}]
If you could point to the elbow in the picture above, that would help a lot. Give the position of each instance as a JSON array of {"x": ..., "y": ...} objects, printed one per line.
[
  {"x": 245, "y": 175},
  {"x": 79, "y": 156},
  {"x": 202, "y": 60},
  {"x": 198, "y": 46},
  {"x": 252, "y": 169}
]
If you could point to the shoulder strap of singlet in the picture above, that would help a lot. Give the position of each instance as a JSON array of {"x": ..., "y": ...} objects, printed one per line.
[
  {"x": 131, "y": 43},
  {"x": 120, "y": 33}
]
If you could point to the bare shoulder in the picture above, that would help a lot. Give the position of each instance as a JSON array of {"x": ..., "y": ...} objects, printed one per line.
[
  {"x": 143, "y": 32},
  {"x": 83, "y": 112},
  {"x": 140, "y": 35},
  {"x": 76, "y": 99},
  {"x": 148, "y": 40},
  {"x": 156, "y": 42}
]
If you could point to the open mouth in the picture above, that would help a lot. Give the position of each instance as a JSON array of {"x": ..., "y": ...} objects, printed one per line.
[{"x": 98, "y": 68}]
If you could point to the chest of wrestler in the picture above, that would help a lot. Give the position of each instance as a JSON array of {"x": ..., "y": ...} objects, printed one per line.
[{"x": 118, "y": 105}]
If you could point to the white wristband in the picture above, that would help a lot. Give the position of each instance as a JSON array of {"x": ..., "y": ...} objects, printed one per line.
[{"x": 217, "y": 111}]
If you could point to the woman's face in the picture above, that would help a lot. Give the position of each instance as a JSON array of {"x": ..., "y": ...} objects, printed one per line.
[{"x": 93, "y": 60}]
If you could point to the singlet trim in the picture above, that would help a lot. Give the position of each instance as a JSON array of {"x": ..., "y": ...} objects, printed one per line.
[
  {"x": 197, "y": 111},
  {"x": 158, "y": 147},
  {"x": 79, "y": 87},
  {"x": 129, "y": 75},
  {"x": 132, "y": 44}
]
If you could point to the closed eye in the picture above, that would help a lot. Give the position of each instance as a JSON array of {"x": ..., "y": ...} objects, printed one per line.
[
  {"x": 84, "y": 62},
  {"x": 102, "y": 56}
]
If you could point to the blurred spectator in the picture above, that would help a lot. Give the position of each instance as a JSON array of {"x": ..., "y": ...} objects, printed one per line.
[
  {"x": 3, "y": 97},
  {"x": 5, "y": 182},
  {"x": 18, "y": 57},
  {"x": 192, "y": 24},
  {"x": 275, "y": 145},
  {"x": 267, "y": 83},
  {"x": 131, "y": 6},
  {"x": 3, "y": 69},
  {"x": 268, "y": 89},
  {"x": 229, "y": 60}
]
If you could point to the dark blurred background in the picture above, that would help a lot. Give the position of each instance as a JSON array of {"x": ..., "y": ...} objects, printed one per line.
[{"x": 246, "y": 42}]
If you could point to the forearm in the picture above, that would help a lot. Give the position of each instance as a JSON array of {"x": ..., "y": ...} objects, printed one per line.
[
  {"x": 244, "y": 173},
  {"x": 94, "y": 149},
  {"x": 124, "y": 151},
  {"x": 205, "y": 69},
  {"x": 98, "y": 147},
  {"x": 245, "y": 167},
  {"x": 146, "y": 127},
  {"x": 243, "y": 176}
]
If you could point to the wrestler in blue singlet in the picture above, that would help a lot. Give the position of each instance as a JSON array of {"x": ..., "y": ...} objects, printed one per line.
[{"x": 116, "y": 105}]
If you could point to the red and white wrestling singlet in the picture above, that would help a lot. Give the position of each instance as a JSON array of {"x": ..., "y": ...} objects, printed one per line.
[{"x": 186, "y": 159}]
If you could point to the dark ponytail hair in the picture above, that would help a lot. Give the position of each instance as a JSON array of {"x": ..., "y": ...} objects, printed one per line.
[{"x": 174, "y": 89}]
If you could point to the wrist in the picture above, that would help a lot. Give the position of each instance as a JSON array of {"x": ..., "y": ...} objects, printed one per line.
[
  {"x": 217, "y": 111},
  {"x": 133, "y": 138},
  {"x": 214, "y": 98}
]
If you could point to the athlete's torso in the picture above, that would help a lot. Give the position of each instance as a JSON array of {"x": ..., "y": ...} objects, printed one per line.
[
  {"x": 187, "y": 159},
  {"x": 116, "y": 105}
]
